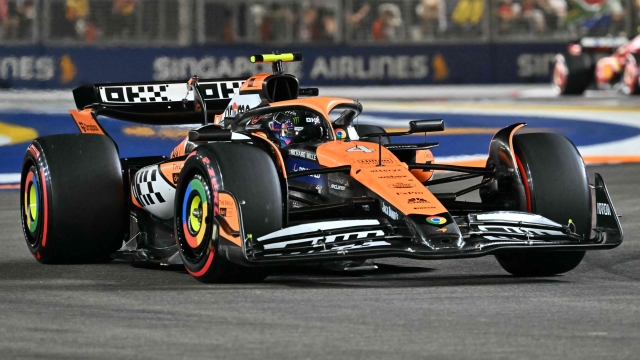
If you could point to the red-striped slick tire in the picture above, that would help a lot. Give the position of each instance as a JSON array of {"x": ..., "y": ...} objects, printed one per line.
[
  {"x": 556, "y": 187},
  {"x": 71, "y": 199},
  {"x": 195, "y": 231},
  {"x": 34, "y": 208},
  {"x": 247, "y": 172}
]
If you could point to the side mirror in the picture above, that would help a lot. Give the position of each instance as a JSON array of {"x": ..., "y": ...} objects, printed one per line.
[
  {"x": 210, "y": 133},
  {"x": 426, "y": 125}
]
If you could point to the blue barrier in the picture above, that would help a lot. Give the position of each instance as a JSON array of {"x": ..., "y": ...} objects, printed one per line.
[
  {"x": 59, "y": 67},
  {"x": 143, "y": 140}
]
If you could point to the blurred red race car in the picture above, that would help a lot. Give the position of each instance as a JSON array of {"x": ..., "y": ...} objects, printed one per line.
[{"x": 599, "y": 63}]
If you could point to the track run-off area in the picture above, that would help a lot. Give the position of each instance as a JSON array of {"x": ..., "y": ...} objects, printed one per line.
[{"x": 406, "y": 309}]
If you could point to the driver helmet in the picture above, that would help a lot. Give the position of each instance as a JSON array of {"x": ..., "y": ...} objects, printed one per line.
[{"x": 282, "y": 127}]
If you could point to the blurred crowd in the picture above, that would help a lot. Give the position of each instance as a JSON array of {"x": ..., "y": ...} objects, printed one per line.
[
  {"x": 16, "y": 19},
  {"x": 313, "y": 21},
  {"x": 573, "y": 17}
]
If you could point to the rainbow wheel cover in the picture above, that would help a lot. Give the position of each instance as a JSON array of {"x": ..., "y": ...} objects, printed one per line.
[
  {"x": 436, "y": 220},
  {"x": 31, "y": 202},
  {"x": 194, "y": 213},
  {"x": 341, "y": 134}
]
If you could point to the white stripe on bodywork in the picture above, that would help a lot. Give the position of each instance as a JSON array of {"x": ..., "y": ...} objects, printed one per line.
[
  {"x": 516, "y": 216},
  {"x": 329, "y": 239},
  {"x": 323, "y": 225}
]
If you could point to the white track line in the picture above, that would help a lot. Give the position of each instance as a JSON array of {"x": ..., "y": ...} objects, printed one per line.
[{"x": 12, "y": 178}]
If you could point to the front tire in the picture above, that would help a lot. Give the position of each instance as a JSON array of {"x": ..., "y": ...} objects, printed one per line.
[
  {"x": 250, "y": 175},
  {"x": 557, "y": 187}
]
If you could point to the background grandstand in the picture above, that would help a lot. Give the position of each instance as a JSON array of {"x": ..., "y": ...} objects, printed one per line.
[
  {"x": 49, "y": 44},
  {"x": 191, "y": 22}
]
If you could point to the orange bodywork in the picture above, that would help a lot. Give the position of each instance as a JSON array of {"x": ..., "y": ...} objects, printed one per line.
[
  {"x": 229, "y": 210},
  {"x": 393, "y": 181},
  {"x": 86, "y": 122},
  {"x": 180, "y": 149},
  {"x": 423, "y": 157},
  {"x": 277, "y": 152},
  {"x": 171, "y": 171},
  {"x": 254, "y": 82}
]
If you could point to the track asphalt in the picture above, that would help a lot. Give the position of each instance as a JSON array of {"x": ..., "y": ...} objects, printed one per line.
[{"x": 407, "y": 309}]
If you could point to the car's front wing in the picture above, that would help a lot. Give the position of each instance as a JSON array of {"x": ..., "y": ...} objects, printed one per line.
[{"x": 480, "y": 234}]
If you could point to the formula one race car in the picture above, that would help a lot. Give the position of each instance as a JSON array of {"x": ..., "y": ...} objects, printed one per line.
[
  {"x": 282, "y": 176},
  {"x": 599, "y": 63}
]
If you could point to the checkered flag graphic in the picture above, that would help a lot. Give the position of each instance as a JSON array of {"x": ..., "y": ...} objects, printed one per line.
[
  {"x": 149, "y": 93},
  {"x": 143, "y": 189}
]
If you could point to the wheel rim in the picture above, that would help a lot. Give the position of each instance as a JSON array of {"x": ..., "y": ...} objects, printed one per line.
[
  {"x": 195, "y": 209},
  {"x": 32, "y": 207}
]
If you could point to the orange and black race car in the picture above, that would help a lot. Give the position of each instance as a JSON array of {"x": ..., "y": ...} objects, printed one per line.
[{"x": 273, "y": 174}]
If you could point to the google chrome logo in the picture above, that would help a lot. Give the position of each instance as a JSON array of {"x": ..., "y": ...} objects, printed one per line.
[{"x": 436, "y": 220}]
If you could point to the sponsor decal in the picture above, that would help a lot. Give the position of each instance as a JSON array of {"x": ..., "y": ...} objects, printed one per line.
[
  {"x": 315, "y": 120},
  {"x": 393, "y": 177},
  {"x": 212, "y": 67},
  {"x": 297, "y": 168},
  {"x": 360, "y": 148},
  {"x": 535, "y": 64},
  {"x": 235, "y": 109},
  {"x": 400, "y": 67},
  {"x": 418, "y": 201},
  {"x": 400, "y": 185},
  {"x": 374, "y": 162},
  {"x": 603, "y": 209},
  {"x": 338, "y": 187},
  {"x": 89, "y": 128},
  {"x": 340, "y": 134},
  {"x": 255, "y": 120},
  {"x": 175, "y": 177},
  {"x": 424, "y": 207},
  {"x": 384, "y": 170},
  {"x": 27, "y": 68},
  {"x": 410, "y": 193},
  {"x": 303, "y": 154},
  {"x": 223, "y": 211},
  {"x": 389, "y": 211},
  {"x": 436, "y": 220}
]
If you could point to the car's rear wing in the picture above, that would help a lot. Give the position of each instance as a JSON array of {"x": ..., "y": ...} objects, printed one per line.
[{"x": 166, "y": 102}]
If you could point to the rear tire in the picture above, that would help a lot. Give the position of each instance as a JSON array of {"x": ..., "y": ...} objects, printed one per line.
[
  {"x": 558, "y": 189},
  {"x": 631, "y": 76},
  {"x": 250, "y": 175},
  {"x": 71, "y": 199},
  {"x": 572, "y": 74}
]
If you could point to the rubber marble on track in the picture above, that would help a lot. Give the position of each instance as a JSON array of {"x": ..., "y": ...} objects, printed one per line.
[{"x": 406, "y": 310}]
